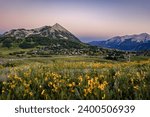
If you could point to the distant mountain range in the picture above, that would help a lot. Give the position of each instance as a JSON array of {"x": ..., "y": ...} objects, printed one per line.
[
  {"x": 56, "y": 37},
  {"x": 56, "y": 40},
  {"x": 54, "y": 32},
  {"x": 138, "y": 42}
]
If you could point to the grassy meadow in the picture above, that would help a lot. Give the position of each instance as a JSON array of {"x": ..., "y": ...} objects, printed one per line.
[{"x": 74, "y": 77}]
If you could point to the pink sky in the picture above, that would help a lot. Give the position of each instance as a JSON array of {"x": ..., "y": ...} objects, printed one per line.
[{"x": 84, "y": 19}]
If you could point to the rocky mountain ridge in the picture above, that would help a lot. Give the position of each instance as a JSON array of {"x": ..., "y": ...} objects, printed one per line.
[{"x": 136, "y": 42}]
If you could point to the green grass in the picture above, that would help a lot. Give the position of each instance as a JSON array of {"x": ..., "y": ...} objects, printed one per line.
[
  {"x": 139, "y": 58},
  {"x": 4, "y": 52}
]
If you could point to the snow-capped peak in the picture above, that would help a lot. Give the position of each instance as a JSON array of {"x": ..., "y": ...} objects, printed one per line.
[
  {"x": 58, "y": 27},
  {"x": 136, "y": 38},
  {"x": 56, "y": 32}
]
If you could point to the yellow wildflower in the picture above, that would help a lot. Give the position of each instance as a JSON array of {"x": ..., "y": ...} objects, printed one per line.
[{"x": 42, "y": 93}]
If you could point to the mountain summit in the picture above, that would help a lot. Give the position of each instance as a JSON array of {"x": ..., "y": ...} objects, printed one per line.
[
  {"x": 58, "y": 27},
  {"x": 128, "y": 42},
  {"x": 54, "y": 32}
]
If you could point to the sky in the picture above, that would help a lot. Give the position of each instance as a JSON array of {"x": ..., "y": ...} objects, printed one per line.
[{"x": 89, "y": 20}]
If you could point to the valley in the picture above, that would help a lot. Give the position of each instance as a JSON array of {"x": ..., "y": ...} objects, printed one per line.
[{"x": 50, "y": 63}]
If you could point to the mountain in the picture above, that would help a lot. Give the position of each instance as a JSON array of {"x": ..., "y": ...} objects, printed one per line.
[
  {"x": 47, "y": 41},
  {"x": 50, "y": 37},
  {"x": 128, "y": 43},
  {"x": 54, "y": 32},
  {"x": 51, "y": 40}
]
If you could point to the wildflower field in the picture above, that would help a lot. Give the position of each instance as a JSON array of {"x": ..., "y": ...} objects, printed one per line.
[{"x": 69, "y": 79}]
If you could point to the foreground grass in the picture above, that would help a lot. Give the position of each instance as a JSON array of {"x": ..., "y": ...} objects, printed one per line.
[{"x": 74, "y": 79}]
